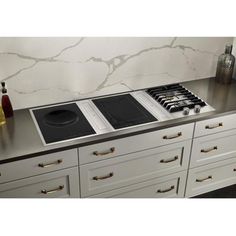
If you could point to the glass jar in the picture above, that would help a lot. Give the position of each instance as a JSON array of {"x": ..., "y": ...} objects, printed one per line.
[{"x": 225, "y": 66}]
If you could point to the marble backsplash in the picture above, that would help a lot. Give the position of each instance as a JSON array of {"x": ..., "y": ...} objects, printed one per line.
[{"x": 40, "y": 71}]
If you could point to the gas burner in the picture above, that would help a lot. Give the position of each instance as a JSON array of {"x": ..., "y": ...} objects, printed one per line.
[{"x": 175, "y": 98}]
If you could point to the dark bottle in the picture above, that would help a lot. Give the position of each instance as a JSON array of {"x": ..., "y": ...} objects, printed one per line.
[
  {"x": 6, "y": 103},
  {"x": 225, "y": 66}
]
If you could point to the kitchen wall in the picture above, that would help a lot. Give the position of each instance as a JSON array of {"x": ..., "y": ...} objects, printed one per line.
[{"x": 41, "y": 71}]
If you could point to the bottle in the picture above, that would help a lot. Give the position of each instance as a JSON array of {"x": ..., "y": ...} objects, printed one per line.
[
  {"x": 6, "y": 103},
  {"x": 2, "y": 116},
  {"x": 225, "y": 66}
]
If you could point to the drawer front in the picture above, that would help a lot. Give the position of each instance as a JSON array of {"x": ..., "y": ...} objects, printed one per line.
[
  {"x": 135, "y": 143},
  {"x": 106, "y": 175},
  {"x": 212, "y": 148},
  {"x": 211, "y": 177},
  {"x": 38, "y": 165},
  {"x": 59, "y": 184},
  {"x": 215, "y": 125},
  {"x": 171, "y": 186}
]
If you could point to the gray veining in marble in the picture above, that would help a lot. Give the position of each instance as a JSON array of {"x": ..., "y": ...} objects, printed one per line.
[{"x": 41, "y": 71}]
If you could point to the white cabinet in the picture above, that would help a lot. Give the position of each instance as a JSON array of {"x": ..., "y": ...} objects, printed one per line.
[
  {"x": 38, "y": 165},
  {"x": 213, "y": 148},
  {"x": 118, "y": 147},
  {"x": 213, "y": 156},
  {"x": 171, "y": 186},
  {"x": 211, "y": 177},
  {"x": 215, "y": 125},
  {"x": 58, "y": 184},
  {"x": 124, "y": 170},
  {"x": 50, "y": 175}
]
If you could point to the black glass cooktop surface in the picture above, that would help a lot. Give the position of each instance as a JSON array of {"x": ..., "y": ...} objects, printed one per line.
[
  {"x": 123, "y": 111},
  {"x": 62, "y": 122}
]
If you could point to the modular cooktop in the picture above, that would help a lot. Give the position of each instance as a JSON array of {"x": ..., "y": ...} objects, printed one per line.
[
  {"x": 123, "y": 111},
  {"x": 60, "y": 123}
]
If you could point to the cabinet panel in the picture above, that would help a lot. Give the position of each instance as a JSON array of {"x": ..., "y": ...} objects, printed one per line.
[
  {"x": 118, "y": 147},
  {"x": 38, "y": 165},
  {"x": 125, "y": 170},
  {"x": 210, "y": 177},
  {"x": 59, "y": 184},
  {"x": 213, "y": 148},
  {"x": 215, "y": 125},
  {"x": 171, "y": 186}
]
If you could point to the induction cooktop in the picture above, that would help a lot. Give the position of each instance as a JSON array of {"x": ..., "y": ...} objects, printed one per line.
[
  {"x": 63, "y": 122},
  {"x": 123, "y": 111}
]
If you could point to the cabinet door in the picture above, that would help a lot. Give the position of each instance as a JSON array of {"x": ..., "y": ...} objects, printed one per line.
[
  {"x": 118, "y": 147},
  {"x": 58, "y": 184},
  {"x": 215, "y": 125},
  {"x": 133, "y": 168},
  {"x": 213, "y": 148},
  {"x": 171, "y": 186},
  {"x": 211, "y": 177},
  {"x": 38, "y": 165}
]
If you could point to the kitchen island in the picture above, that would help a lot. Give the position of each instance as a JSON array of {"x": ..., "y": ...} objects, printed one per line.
[{"x": 20, "y": 142}]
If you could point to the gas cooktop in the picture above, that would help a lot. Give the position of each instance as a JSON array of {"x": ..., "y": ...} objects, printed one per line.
[
  {"x": 85, "y": 118},
  {"x": 175, "y": 98}
]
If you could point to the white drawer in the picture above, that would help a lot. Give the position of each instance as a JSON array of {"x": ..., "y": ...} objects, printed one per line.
[
  {"x": 212, "y": 148},
  {"x": 135, "y": 143},
  {"x": 121, "y": 171},
  {"x": 171, "y": 186},
  {"x": 59, "y": 184},
  {"x": 38, "y": 165},
  {"x": 211, "y": 177},
  {"x": 215, "y": 125}
]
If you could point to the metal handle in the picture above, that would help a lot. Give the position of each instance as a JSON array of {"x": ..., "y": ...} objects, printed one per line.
[
  {"x": 173, "y": 136},
  {"x": 96, "y": 153},
  {"x": 166, "y": 190},
  {"x": 214, "y": 126},
  {"x": 44, "y": 191},
  {"x": 169, "y": 160},
  {"x": 209, "y": 149},
  {"x": 103, "y": 177},
  {"x": 50, "y": 164},
  {"x": 234, "y": 169},
  {"x": 201, "y": 180}
]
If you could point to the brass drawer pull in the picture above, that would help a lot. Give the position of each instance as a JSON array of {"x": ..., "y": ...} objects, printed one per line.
[
  {"x": 173, "y": 136},
  {"x": 96, "y": 153},
  {"x": 166, "y": 190},
  {"x": 50, "y": 164},
  {"x": 209, "y": 149},
  {"x": 169, "y": 160},
  {"x": 202, "y": 180},
  {"x": 214, "y": 126},
  {"x": 103, "y": 177},
  {"x": 44, "y": 191}
]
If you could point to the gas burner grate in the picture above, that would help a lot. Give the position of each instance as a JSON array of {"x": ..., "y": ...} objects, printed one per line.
[{"x": 175, "y": 97}]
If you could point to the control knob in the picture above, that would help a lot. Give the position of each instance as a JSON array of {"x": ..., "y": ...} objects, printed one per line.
[
  {"x": 197, "y": 108},
  {"x": 186, "y": 111}
]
